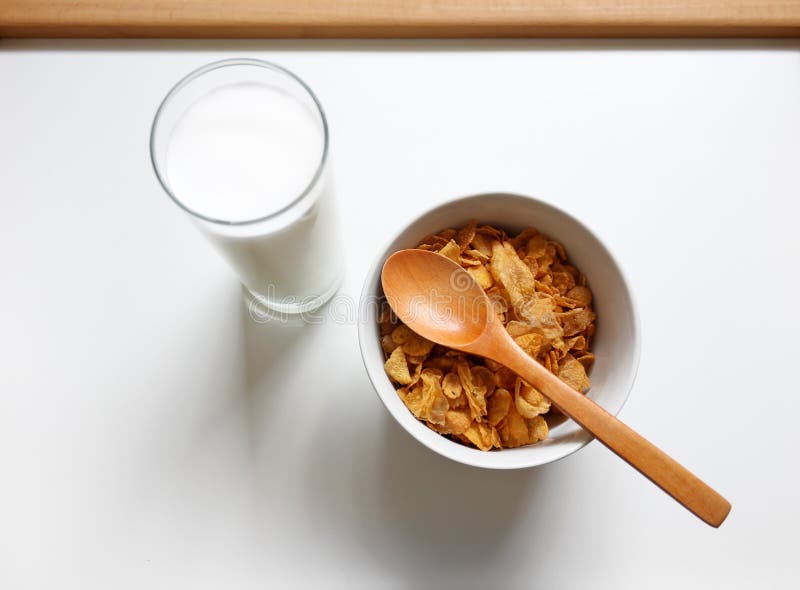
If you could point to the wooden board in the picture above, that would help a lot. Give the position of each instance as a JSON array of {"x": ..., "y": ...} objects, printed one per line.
[{"x": 399, "y": 18}]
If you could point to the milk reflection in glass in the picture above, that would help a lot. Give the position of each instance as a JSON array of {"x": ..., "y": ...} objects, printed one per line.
[{"x": 243, "y": 157}]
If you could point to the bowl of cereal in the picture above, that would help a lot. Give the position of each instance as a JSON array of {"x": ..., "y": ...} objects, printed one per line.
[{"x": 559, "y": 293}]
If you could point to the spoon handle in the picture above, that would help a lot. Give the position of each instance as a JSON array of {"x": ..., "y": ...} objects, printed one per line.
[{"x": 649, "y": 460}]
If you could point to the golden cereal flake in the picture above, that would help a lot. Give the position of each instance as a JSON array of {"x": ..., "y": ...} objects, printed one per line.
[{"x": 545, "y": 305}]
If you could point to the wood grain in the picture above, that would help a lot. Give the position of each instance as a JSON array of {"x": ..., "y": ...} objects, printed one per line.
[{"x": 399, "y": 18}]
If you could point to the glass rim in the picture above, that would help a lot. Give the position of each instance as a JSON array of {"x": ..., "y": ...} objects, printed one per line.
[{"x": 196, "y": 73}]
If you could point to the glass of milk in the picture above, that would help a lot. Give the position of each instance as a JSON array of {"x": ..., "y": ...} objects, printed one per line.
[{"x": 241, "y": 145}]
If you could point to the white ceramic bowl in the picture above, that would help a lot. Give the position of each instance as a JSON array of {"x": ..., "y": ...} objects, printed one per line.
[{"x": 616, "y": 343}]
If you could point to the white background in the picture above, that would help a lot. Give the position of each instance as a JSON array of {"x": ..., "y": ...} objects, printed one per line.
[{"x": 151, "y": 436}]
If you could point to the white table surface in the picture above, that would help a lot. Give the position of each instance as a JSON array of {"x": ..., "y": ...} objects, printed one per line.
[{"x": 152, "y": 436}]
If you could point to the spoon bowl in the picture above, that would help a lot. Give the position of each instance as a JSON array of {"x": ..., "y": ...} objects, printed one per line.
[{"x": 438, "y": 297}]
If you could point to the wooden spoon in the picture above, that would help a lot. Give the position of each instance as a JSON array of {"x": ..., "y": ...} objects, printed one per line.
[{"x": 439, "y": 300}]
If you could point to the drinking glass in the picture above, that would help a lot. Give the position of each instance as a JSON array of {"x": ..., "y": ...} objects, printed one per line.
[{"x": 242, "y": 146}]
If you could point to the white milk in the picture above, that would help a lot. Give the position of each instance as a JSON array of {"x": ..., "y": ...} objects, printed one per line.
[{"x": 246, "y": 151}]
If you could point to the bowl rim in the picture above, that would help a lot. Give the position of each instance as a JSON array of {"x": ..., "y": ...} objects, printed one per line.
[{"x": 485, "y": 461}]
